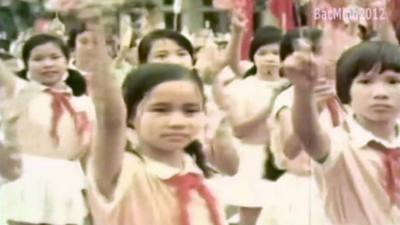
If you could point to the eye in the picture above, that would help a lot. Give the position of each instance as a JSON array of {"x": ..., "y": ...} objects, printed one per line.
[
  {"x": 275, "y": 52},
  {"x": 161, "y": 55},
  {"x": 55, "y": 57},
  {"x": 182, "y": 53},
  {"x": 364, "y": 81},
  {"x": 192, "y": 110},
  {"x": 37, "y": 58},
  {"x": 393, "y": 81},
  {"x": 159, "y": 109}
]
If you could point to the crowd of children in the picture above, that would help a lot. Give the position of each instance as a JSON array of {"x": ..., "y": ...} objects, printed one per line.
[{"x": 158, "y": 132}]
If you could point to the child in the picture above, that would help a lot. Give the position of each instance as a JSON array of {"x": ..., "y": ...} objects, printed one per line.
[
  {"x": 249, "y": 102},
  {"x": 53, "y": 129},
  {"x": 160, "y": 183},
  {"x": 357, "y": 167},
  {"x": 296, "y": 187},
  {"x": 167, "y": 46}
]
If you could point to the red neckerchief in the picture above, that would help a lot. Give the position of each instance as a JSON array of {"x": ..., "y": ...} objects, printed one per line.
[
  {"x": 184, "y": 184},
  {"x": 392, "y": 165},
  {"x": 61, "y": 100}
]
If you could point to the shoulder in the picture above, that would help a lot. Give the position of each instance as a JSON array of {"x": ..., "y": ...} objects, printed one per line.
[{"x": 282, "y": 101}]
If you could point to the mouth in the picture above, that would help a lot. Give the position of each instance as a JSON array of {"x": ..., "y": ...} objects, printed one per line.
[
  {"x": 381, "y": 107},
  {"x": 49, "y": 73},
  {"x": 176, "y": 136}
]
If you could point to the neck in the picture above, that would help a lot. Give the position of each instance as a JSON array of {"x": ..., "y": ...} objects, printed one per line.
[
  {"x": 171, "y": 158},
  {"x": 268, "y": 76},
  {"x": 383, "y": 130}
]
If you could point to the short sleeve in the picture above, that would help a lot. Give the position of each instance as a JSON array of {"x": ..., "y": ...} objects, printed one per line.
[
  {"x": 339, "y": 142},
  {"x": 131, "y": 165},
  {"x": 284, "y": 100}
]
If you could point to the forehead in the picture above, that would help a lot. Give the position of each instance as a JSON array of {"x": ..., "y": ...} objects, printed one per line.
[
  {"x": 165, "y": 44},
  {"x": 47, "y": 48},
  {"x": 175, "y": 92},
  {"x": 383, "y": 74},
  {"x": 269, "y": 47}
]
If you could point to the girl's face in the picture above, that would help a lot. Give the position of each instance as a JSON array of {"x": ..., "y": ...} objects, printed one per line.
[
  {"x": 267, "y": 59},
  {"x": 170, "y": 116},
  {"x": 47, "y": 64},
  {"x": 84, "y": 41},
  {"x": 168, "y": 51},
  {"x": 376, "y": 97}
]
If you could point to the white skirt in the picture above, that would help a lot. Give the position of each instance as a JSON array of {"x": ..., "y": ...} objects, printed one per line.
[
  {"x": 248, "y": 188},
  {"x": 49, "y": 191},
  {"x": 297, "y": 201}
]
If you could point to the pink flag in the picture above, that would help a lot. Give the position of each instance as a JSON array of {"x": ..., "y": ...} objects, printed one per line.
[{"x": 223, "y": 4}]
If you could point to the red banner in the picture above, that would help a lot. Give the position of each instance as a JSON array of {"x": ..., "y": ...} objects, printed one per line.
[
  {"x": 283, "y": 12},
  {"x": 248, "y": 8}
]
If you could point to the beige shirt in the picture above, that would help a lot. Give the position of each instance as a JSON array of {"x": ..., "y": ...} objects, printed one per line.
[
  {"x": 142, "y": 197},
  {"x": 33, "y": 109},
  {"x": 352, "y": 179}
]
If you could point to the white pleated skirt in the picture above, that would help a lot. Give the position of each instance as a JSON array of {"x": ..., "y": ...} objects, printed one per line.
[{"x": 49, "y": 191}]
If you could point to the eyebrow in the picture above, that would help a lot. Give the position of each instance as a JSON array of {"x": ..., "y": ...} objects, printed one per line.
[{"x": 160, "y": 104}]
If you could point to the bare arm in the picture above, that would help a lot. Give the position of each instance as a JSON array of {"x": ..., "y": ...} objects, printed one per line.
[
  {"x": 223, "y": 152},
  {"x": 300, "y": 68},
  {"x": 110, "y": 139},
  {"x": 7, "y": 79},
  {"x": 234, "y": 48},
  {"x": 243, "y": 124},
  {"x": 292, "y": 145}
]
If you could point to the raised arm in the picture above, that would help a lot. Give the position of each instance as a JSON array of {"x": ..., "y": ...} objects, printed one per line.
[
  {"x": 8, "y": 80},
  {"x": 238, "y": 27},
  {"x": 223, "y": 152},
  {"x": 301, "y": 69},
  {"x": 110, "y": 138},
  {"x": 242, "y": 122}
]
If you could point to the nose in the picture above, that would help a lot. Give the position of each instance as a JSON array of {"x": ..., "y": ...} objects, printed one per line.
[
  {"x": 380, "y": 91},
  {"x": 48, "y": 62},
  {"x": 177, "y": 120}
]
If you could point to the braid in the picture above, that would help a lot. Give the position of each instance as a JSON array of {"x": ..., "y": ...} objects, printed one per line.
[{"x": 194, "y": 149}]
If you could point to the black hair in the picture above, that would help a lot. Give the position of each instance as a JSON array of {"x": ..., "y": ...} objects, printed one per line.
[
  {"x": 361, "y": 58},
  {"x": 41, "y": 39},
  {"x": 146, "y": 43},
  {"x": 146, "y": 77},
  {"x": 263, "y": 36},
  {"x": 286, "y": 48},
  {"x": 73, "y": 35}
]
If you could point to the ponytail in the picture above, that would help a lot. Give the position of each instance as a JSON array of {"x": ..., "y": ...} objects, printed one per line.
[
  {"x": 251, "y": 72},
  {"x": 195, "y": 150}
]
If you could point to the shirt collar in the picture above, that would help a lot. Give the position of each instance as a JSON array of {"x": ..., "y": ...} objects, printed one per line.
[
  {"x": 165, "y": 172},
  {"x": 40, "y": 87},
  {"x": 361, "y": 137}
]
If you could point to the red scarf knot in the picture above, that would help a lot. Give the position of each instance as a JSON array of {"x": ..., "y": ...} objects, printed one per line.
[
  {"x": 184, "y": 184},
  {"x": 61, "y": 101}
]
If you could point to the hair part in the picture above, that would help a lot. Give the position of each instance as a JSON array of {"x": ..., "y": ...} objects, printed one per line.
[{"x": 360, "y": 59}]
